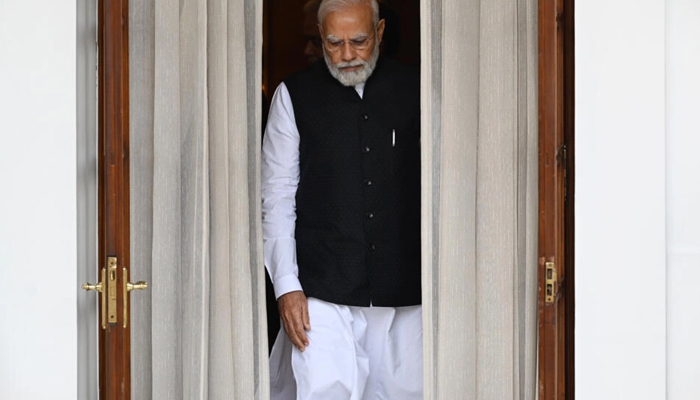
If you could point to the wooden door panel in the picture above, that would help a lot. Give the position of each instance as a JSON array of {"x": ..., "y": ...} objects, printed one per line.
[
  {"x": 113, "y": 197},
  {"x": 556, "y": 123}
]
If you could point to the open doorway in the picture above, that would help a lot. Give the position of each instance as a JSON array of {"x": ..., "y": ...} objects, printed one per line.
[
  {"x": 456, "y": 146},
  {"x": 289, "y": 26},
  {"x": 291, "y": 43}
]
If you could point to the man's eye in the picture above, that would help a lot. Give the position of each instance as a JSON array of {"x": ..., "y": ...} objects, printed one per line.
[
  {"x": 358, "y": 42},
  {"x": 336, "y": 43}
]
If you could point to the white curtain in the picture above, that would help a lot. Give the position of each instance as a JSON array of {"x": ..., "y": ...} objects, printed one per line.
[
  {"x": 199, "y": 331},
  {"x": 479, "y": 143}
]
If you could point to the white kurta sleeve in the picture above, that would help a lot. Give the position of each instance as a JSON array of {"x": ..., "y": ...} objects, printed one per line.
[{"x": 280, "y": 179}]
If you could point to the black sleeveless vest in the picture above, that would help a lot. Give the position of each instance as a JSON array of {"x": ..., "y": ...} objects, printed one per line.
[{"x": 358, "y": 200}]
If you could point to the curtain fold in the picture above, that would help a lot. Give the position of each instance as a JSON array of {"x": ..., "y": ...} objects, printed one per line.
[
  {"x": 199, "y": 332},
  {"x": 479, "y": 217},
  {"x": 195, "y": 229}
]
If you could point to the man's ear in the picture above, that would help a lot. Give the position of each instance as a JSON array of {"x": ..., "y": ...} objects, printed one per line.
[
  {"x": 320, "y": 31},
  {"x": 380, "y": 30}
]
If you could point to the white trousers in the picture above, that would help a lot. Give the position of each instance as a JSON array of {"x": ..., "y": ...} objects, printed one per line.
[{"x": 354, "y": 353}]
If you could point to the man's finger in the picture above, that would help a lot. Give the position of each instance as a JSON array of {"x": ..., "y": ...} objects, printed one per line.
[
  {"x": 292, "y": 334},
  {"x": 301, "y": 333},
  {"x": 305, "y": 316},
  {"x": 300, "y": 340},
  {"x": 295, "y": 331}
]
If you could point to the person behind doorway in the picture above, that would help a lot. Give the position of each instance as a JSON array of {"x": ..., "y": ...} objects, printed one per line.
[
  {"x": 313, "y": 50},
  {"x": 341, "y": 217}
]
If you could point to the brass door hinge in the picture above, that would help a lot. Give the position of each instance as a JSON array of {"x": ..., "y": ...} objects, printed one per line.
[
  {"x": 562, "y": 162},
  {"x": 550, "y": 282}
]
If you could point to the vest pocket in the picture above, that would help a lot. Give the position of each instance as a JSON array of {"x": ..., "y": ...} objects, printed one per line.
[{"x": 403, "y": 138}]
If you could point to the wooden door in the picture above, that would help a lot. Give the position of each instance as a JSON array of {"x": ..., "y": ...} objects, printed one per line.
[
  {"x": 113, "y": 201},
  {"x": 556, "y": 199},
  {"x": 113, "y": 208}
]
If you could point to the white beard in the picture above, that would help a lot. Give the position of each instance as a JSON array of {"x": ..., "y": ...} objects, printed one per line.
[{"x": 353, "y": 78}]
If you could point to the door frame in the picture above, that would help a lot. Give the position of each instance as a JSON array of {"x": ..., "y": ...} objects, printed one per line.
[
  {"x": 87, "y": 196},
  {"x": 556, "y": 316},
  {"x": 556, "y": 241}
]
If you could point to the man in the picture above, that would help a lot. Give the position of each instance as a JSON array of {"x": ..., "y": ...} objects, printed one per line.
[
  {"x": 312, "y": 42},
  {"x": 341, "y": 218}
]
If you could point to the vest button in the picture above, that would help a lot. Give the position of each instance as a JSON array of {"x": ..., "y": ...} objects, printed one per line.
[
  {"x": 372, "y": 247},
  {"x": 370, "y": 215},
  {"x": 366, "y": 149},
  {"x": 364, "y": 117},
  {"x": 368, "y": 182}
]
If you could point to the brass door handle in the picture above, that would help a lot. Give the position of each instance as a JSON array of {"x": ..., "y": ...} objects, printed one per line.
[
  {"x": 140, "y": 285},
  {"x": 96, "y": 287},
  {"x": 108, "y": 289},
  {"x": 100, "y": 288},
  {"x": 128, "y": 287}
]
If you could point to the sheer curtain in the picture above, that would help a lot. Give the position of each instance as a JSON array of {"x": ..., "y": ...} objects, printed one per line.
[
  {"x": 480, "y": 160},
  {"x": 199, "y": 331}
]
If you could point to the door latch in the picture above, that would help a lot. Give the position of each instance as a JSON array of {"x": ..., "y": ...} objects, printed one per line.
[
  {"x": 107, "y": 287},
  {"x": 550, "y": 282}
]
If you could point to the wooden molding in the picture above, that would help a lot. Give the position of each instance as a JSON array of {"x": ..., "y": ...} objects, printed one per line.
[
  {"x": 113, "y": 182},
  {"x": 556, "y": 199}
]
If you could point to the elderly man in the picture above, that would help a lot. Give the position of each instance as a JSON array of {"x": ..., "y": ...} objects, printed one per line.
[{"x": 341, "y": 218}]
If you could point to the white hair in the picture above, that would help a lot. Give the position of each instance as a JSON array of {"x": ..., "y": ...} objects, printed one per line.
[
  {"x": 353, "y": 78},
  {"x": 329, "y": 6}
]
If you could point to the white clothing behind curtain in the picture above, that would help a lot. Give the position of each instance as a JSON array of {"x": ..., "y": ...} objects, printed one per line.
[{"x": 199, "y": 331}]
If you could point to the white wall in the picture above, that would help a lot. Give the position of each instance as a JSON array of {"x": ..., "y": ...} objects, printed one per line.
[
  {"x": 637, "y": 197},
  {"x": 683, "y": 198},
  {"x": 38, "y": 245},
  {"x": 620, "y": 200}
]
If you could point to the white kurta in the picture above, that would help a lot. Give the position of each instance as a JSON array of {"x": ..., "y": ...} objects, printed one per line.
[{"x": 354, "y": 353}]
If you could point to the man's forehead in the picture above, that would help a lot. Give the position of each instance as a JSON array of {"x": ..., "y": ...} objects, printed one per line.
[{"x": 357, "y": 18}]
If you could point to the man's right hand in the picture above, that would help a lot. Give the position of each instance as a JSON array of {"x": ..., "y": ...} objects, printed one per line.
[{"x": 294, "y": 311}]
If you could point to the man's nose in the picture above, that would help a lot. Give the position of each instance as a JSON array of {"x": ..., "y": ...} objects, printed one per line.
[
  {"x": 309, "y": 48},
  {"x": 347, "y": 52}
]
